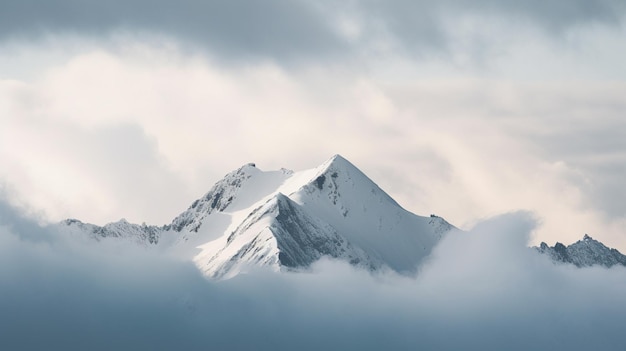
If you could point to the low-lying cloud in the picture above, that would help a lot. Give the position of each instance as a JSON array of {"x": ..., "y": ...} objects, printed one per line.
[{"x": 480, "y": 290}]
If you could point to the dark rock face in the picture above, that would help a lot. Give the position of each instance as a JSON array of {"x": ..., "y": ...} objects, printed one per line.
[
  {"x": 584, "y": 253},
  {"x": 300, "y": 239},
  {"x": 560, "y": 252},
  {"x": 320, "y": 181}
]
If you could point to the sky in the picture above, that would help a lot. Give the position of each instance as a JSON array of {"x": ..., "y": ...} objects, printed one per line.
[{"x": 132, "y": 109}]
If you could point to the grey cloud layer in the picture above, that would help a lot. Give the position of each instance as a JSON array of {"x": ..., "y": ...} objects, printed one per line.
[
  {"x": 589, "y": 137},
  {"x": 286, "y": 29},
  {"x": 460, "y": 149},
  {"x": 272, "y": 28},
  {"x": 420, "y": 24},
  {"x": 481, "y": 290}
]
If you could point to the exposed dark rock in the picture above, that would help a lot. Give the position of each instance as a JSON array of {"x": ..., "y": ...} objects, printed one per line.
[
  {"x": 583, "y": 253},
  {"x": 319, "y": 181}
]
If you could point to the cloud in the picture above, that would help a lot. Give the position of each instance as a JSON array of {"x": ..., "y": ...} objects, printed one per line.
[
  {"x": 568, "y": 133},
  {"x": 295, "y": 30},
  {"x": 108, "y": 133},
  {"x": 481, "y": 290},
  {"x": 275, "y": 28},
  {"x": 59, "y": 165},
  {"x": 548, "y": 13},
  {"x": 559, "y": 14},
  {"x": 149, "y": 126}
]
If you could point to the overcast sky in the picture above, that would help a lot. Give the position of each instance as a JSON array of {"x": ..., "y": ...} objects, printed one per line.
[
  {"x": 506, "y": 110},
  {"x": 134, "y": 108}
]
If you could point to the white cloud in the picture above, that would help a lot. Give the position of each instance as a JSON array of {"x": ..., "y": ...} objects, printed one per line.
[
  {"x": 480, "y": 290},
  {"x": 139, "y": 131}
]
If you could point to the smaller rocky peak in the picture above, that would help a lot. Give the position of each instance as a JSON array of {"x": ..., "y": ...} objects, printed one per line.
[
  {"x": 561, "y": 253},
  {"x": 558, "y": 247},
  {"x": 588, "y": 241},
  {"x": 584, "y": 253}
]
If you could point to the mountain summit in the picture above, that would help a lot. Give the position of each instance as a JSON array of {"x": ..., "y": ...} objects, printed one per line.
[
  {"x": 584, "y": 253},
  {"x": 287, "y": 220}
]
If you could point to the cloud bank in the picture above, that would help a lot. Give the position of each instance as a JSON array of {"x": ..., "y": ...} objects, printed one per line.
[
  {"x": 274, "y": 28},
  {"x": 480, "y": 290},
  {"x": 287, "y": 30},
  {"x": 151, "y": 129},
  {"x": 134, "y": 109}
]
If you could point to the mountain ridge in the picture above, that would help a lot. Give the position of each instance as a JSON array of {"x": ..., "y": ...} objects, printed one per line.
[
  {"x": 287, "y": 220},
  {"x": 583, "y": 253}
]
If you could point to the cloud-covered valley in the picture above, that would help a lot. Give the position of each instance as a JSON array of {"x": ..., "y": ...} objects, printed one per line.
[{"x": 482, "y": 289}]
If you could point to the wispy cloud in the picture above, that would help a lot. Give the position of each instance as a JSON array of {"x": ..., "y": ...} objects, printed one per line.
[{"x": 151, "y": 129}]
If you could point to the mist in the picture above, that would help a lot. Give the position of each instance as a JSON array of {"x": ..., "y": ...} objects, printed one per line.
[{"x": 481, "y": 289}]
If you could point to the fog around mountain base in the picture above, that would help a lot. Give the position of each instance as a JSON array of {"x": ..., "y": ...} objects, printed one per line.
[{"x": 482, "y": 289}]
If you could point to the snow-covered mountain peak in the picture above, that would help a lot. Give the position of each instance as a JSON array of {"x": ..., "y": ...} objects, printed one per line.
[
  {"x": 343, "y": 185},
  {"x": 344, "y": 197},
  {"x": 287, "y": 220},
  {"x": 336, "y": 162},
  {"x": 334, "y": 201}
]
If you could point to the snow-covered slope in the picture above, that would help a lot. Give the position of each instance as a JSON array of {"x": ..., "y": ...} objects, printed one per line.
[
  {"x": 282, "y": 235},
  {"x": 584, "y": 253},
  {"x": 287, "y": 220},
  {"x": 345, "y": 198}
]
